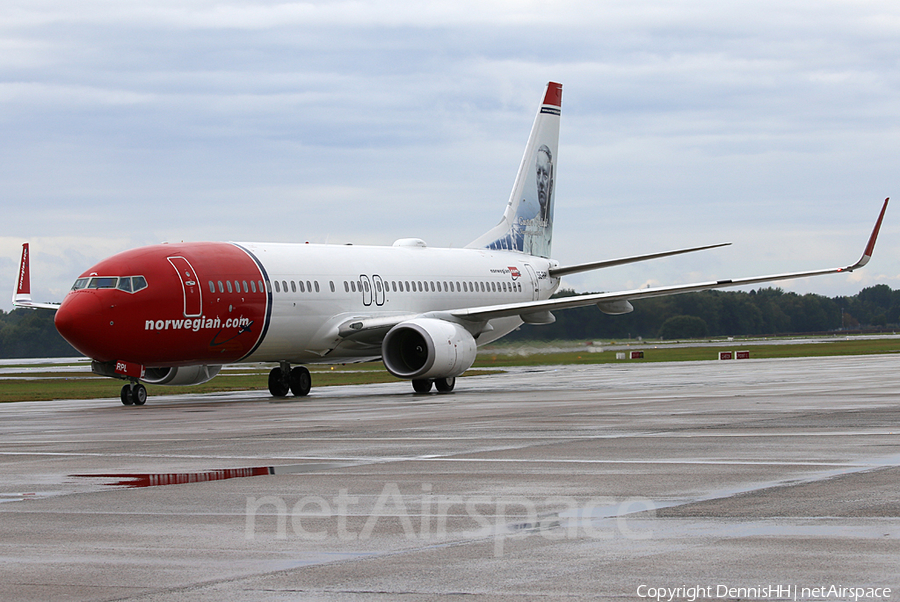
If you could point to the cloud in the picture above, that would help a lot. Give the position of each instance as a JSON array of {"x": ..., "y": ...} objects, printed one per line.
[{"x": 771, "y": 124}]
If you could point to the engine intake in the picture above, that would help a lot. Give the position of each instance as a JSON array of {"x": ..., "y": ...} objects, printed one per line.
[
  {"x": 183, "y": 375},
  {"x": 428, "y": 348}
]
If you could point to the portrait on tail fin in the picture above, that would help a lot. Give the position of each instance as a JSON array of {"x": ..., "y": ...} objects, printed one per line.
[
  {"x": 531, "y": 229},
  {"x": 527, "y": 224}
]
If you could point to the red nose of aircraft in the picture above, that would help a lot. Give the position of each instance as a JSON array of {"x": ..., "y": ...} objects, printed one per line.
[
  {"x": 85, "y": 324},
  {"x": 167, "y": 305}
]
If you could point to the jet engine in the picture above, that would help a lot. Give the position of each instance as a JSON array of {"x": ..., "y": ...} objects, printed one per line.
[
  {"x": 184, "y": 375},
  {"x": 427, "y": 348}
]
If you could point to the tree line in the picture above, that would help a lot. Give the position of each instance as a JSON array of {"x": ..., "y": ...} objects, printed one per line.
[
  {"x": 767, "y": 311},
  {"x": 31, "y": 333}
]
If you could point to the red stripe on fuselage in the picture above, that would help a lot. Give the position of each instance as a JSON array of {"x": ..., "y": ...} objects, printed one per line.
[{"x": 150, "y": 326}]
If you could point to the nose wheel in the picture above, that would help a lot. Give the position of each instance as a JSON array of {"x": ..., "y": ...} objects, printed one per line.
[{"x": 134, "y": 394}]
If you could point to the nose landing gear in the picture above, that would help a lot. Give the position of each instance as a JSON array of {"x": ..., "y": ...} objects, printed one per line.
[{"x": 134, "y": 393}]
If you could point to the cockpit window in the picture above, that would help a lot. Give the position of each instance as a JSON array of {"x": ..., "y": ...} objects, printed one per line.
[
  {"x": 103, "y": 282},
  {"x": 128, "y": 284}
]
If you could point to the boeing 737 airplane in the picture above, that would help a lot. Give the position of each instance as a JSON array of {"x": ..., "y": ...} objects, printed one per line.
[{"x": 174, "y": 314}]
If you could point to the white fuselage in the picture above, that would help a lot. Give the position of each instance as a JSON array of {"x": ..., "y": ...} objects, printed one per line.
[{"x": 316, "y": 288}]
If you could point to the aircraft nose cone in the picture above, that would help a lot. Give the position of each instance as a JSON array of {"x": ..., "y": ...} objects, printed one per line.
[{"x": 80, "y": 322}]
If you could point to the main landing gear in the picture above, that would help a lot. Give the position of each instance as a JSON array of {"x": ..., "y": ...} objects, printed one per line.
[
  {"x": 443, "y": 385},
  {"x": 283, "y": 379},
  {"x": 134, "y": 393}
]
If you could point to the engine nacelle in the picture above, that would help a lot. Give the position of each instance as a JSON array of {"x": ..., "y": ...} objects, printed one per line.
[
  {"x": 184, "y": 375},
  {"x": 427, "y": 348}
]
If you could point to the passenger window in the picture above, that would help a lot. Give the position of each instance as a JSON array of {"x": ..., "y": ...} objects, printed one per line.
[
  {"x": 284, "y": 285},
  {"x": 331, "y": 283},
  {"x": 308, "y": 286},
  {"x": 228, "y": 283},
  {"x": 366, "y": 284},
  {"x": 252, "y": 286},
  {"x": 237, "y": 286},
  {"x": 407, "y": 286},
  {"x": 212, "y": 286},
  {"x": 353, "y": 285},
  {"x": 246, "y": 288},
  {"x": 221, "y": 287},
  {"x": 317, "y": 285},
  {"x": 346, "y": 287},
  {"x": 294, "y": 287},
  {"x": 432, "y": 286}
]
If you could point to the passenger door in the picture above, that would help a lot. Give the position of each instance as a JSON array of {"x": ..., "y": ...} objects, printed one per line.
[{"x": 190, "y": 284}]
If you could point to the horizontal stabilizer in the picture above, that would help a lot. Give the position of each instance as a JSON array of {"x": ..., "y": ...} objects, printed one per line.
[{"x": 596, "y": 265}]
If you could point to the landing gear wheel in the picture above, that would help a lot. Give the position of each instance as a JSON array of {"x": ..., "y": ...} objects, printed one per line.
[
  {"x": 139, "y": 394},
  {"x": 278, "y": 384},
  {"x": 422, "y": 385},
  {"x": 301, "y": 381},
  {"x": 445, "y": 385},
  {"x": 127, "y": 397}
]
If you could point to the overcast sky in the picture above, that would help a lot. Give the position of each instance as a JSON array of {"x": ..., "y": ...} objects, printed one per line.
[{"x": 771, "y": 125}]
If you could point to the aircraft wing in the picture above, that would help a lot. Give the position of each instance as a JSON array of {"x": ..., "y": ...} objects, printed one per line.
[
  {"x": 28, "y": 304},
  {"x": 617, "y": 302},
  {"x": 368, "y": 329},
  {"x": 22, "y": 294}
]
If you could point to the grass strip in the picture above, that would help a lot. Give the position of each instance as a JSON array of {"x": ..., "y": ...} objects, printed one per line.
[{"x": 48, "y": 385}]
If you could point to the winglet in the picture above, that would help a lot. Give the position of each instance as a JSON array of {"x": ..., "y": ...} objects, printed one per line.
[
  {"x": 22, "y": 294},
  {"x": 870, "y": 246},
  {"x": 23, "y": 282}
]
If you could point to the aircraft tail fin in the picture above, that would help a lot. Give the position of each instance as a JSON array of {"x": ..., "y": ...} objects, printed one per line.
[{"x": 527, "y": 223}]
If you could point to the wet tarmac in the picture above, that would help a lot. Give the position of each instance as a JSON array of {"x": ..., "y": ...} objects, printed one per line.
[{"x": 765, "y": 479}]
